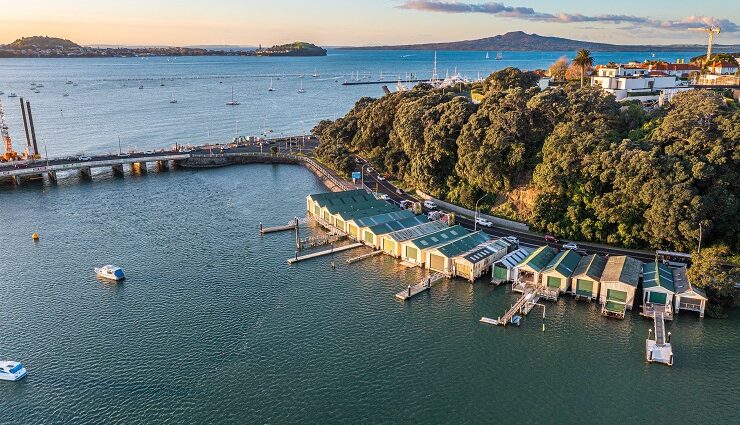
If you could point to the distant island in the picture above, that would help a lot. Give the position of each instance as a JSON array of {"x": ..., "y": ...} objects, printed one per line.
[
  {"x": 53, "y": 47},
  {"x": 521, "y": 41}
]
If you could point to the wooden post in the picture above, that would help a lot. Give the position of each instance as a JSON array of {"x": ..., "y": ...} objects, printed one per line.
[{"x": 261, "y": 232}]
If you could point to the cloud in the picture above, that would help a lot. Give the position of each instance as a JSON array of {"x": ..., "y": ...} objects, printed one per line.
[{"x": 528, "y": 13}]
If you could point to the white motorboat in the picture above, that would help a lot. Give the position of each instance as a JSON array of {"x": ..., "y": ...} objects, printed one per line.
[
  {"x": 110, "y": 272},
  {"x": 11, "y": 371}
]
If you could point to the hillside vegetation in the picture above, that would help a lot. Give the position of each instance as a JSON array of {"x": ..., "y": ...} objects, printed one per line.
[
  {"x": 41, "y": 43},
  {"x": 569, "y": 161}
]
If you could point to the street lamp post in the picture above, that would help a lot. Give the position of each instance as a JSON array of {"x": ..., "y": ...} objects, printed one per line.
[
  {"x": 475, "y": 224},
  {"x": 362, "y": 175}
]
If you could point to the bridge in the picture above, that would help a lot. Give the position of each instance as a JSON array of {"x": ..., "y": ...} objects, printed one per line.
[{"x": 200, "y": 156}]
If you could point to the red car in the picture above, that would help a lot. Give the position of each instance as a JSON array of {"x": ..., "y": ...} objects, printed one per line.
[{"x": 551, "y": 239}]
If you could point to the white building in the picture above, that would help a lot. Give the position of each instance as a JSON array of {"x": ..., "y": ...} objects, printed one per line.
[{"x": 634, "y": 82}]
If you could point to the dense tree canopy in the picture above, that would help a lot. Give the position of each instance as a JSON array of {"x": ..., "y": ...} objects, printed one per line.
[{"x": 598, "y": 170}]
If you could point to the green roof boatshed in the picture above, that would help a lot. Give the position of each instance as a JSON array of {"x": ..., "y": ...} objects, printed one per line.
[
  {"x": 344, "y": 217},
  {"x": 586, "y": 278},
  {"x": 503, "y": 269},
  {"x": 619, "y": 285},
  {"x": 440, "y": 259},
  {"x": 414, "y": 250},
  {"x": 556, "y": 276},
  {"x": 390, "y": 243},
  {"x": 319, "y": 204},
  {"x": 657, "y": 289},
  {"x": 373, "y": 234},
  {"x": 688, "y": 297},
  {"x": 528, "y": 271},
  {"x": 357, "y": 226},
  {"x": 475, "y": 262}
]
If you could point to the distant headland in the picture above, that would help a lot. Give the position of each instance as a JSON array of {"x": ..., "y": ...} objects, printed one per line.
[
  {"x": 521, "y": 41},
  {"x": 53, "y": 47}
]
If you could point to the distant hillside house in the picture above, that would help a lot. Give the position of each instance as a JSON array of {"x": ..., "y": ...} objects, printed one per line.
[
  {"x": 634, "y": 82},
  {"x": 723, "y": 68}
]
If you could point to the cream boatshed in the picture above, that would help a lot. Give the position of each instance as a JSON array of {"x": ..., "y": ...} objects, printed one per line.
[
  {"x": 504, "y": 270},
  {"x": 473, "y": 263},
  {"x": 688, "y": 297},
  {"x": 619, "y": 285},
  {"x": 657, "y": 289},
  {"x": 528, "y": 271},
  {"x": 556, "y": 276},
  {"x": 390, "y": 243},
  {"x": 373, "y": 234},
  {"x": 586, "y": 279},
  {"x": 415, "y": 250}
]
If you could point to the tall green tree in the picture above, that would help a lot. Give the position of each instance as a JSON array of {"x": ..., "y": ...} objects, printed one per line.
[{"x": 583, "y": 60}]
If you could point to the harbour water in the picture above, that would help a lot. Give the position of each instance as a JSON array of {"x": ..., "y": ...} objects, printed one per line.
[
  {"x": 212, "y": 325},
  {"x": 107, "y": 102}
]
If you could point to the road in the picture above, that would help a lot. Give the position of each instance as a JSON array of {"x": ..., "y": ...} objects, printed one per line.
[{"x": 372, "y": 181}]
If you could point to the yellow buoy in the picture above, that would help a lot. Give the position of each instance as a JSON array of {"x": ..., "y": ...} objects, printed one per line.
[{"x": 35, "y": 236}]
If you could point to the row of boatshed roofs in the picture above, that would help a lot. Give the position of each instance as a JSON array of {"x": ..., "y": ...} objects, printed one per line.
[
  {"x": 613, "y": 281},
  {"x": 435, "y": 245},
  {"x": 453, "y": 250}
]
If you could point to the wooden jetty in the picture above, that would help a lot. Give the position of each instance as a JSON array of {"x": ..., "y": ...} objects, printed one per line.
[
  {"x": 523, "y": 305},
  {"x": 364, "y": 256},
  {"x": 420, "y": 287},
  {"x": 659, "y": 349},
  {"x": 290, "y": 226},
  {"x": 298, "y": 258}
]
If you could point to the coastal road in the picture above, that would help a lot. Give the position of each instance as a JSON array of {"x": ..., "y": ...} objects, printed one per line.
[{"x": 371, "y": 180}]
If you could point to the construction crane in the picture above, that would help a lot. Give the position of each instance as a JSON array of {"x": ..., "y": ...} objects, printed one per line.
[
  {"x": 9, "y": 154},
  {"x": 711, "y": 30}
]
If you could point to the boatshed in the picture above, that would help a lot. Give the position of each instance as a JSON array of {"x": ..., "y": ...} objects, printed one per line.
[
  {"x": 372, "y": 234},
  {"x": 473, "y": 263},
  {"x": 356, "y": 226},
  {"x": 556, "y": 276},
  {"x": 390, "y": 243},
  {"x": 587, "y": 277},
  {"x": 319, "y": 205},
  {"x": 528, "y": 271},
  {"x": 505, "y": 268},
  {"x": 688, "y": 297},
  {"x": 657, "y": 288},
  {"x": 414, "y": 250},
  {"x": 619, "y": 285}
]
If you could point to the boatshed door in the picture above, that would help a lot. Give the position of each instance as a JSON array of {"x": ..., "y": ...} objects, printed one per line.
[
  {"x": 436, "y": 262},
  {"x": 584, "y": 287},
  {"x": 658, "y": 297},
  {"x": 553, "y": 282},
  {"x": 500, "y": 272},
  {"x": 412, "y": 253},
  {"x": 614, "y": 295}
]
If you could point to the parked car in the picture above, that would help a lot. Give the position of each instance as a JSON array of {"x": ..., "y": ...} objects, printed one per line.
[
  {"x": 570, "y": 245},
  {"x": 582, "y": 252},
  {"x": 186, "y": 150},
  {"x": 429, "y": 204},
  {"x": 149, "y": 152},
  {"x": 483, "y": 222},
  {"x": 84, "y": 158},
  {"x": 122, "y": 154},
  {"x": 370, "y": 169},
  {"x": 551, "y": 239},
  {"x": 405, "y": 204},
  {"x": 400, "y": 191},
  {"x": 384, "y": 197},
  {"x": 381, "y": 178}
]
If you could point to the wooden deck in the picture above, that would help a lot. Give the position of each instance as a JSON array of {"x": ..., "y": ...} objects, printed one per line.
[
  {"x": 322, "y": 253},
  {"x": 424, "y": 285},
  {"x": 659, "y": 350},
  {"x": 363, "y": 257},
  {"x": 522, "y": 306}
]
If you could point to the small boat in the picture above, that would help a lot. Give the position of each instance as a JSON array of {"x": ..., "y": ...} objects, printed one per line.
[
  {"x": 65, "y": 94},
  {"x": 39, "y": 85},
  {"x": 300, "y": 90},
  {"x": 232, "y": 102},
  {"x": 68, "y": 82},
  {"x": 270, "y": 88},
  {"x": 141, "y": 87},
  {"x": 172, "y": 98},
  {"x": 488, "y": 56},
  {"x": 315, "y": 73},
  {"x": 74, "y": 84},
  {"x": 499, "y": 56},
  {"x": 110, "y": 272},
  {"x": 11, "y": 371},
  {"x": 12, "y": 95},
  {"x": 36, "y": 91}
]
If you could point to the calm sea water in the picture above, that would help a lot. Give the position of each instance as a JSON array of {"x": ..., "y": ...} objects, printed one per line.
[
  {"x": 107, "y": 102},
  {"x": 213, "y": 326}
]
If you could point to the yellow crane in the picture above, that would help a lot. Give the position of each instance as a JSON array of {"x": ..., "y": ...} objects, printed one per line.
[
  {"x": 9, "y": 154},
  {"x": 711, "y": 30}
]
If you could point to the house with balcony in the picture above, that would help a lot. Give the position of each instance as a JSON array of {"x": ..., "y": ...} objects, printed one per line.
[{"x": 688, "y": 297}]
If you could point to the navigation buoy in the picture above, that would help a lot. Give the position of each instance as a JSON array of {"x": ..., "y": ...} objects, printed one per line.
[{"x": 35, "y": 236}]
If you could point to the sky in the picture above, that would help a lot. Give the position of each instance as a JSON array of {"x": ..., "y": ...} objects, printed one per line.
[{"x": 363, "y": 22}]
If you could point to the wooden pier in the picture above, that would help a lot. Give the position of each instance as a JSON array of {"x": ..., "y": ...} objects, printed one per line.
[
  {"x": 364, "y": 256},
  {"x": 290, "y": 226},
  {"x": 659, "y": 349},
  {"x": 523, "y": 305},
  {"x": 298, "y": 258},
  {"x": 424, "y": 285}
]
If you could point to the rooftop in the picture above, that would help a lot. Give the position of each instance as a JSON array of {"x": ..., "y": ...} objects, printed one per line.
[
  {"x": 514, "y": 258},
  {"x": 485, "y": 250},
  {"x": 439, "y": 238},
  {"x": 622, "y": 269},
  {"x": 539, "y": 258},
  {"x": 657, "y": 274},
  {"x": 416, "y": 231},
  {"x": 464, "y": 244},
  {"x": 591, "y": 266},
  {"x": 383, "y": 218},
  {"x": 393, "y": 226},
  {"x": 682, "y": 284},
  {"x": 565, "y": 262}
]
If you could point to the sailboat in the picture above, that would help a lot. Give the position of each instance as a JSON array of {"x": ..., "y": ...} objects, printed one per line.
[
  {"x": 300, "y": 90},
  {"x": 232, "y": 102},
  {"x": 499, "y": 56},
  {"x": 270, "y": 88},
  {"x": 172, "y": 98},
  {"x": 315, "y": 73},
  {"x": 488, "y": 56}
]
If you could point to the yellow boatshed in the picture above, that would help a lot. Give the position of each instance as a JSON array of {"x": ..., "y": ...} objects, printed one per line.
[
  {"x": 475, "y": 262},
  {"x": 556, "y": 276},
  {"x": 390, "y": 243},
  {"x": 688, "y": 297},
  {"x": 414, "y": 250},
  {"x": 618, "y": 285},
  {"x": 587, "y": 277},
  {"x": 441, "y": 258},
  {"x": 356, "y": 226},
  {"x": 372, "y": 234},
  {"x": 322, "y": 205},
  {"x": 344, "y": 217}
]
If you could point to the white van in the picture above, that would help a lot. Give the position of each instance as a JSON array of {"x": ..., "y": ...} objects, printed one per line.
[{"x": 429, "y": 204}]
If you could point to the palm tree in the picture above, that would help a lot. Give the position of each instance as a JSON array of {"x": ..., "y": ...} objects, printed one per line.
[{"x": 583, "y": 60}]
